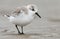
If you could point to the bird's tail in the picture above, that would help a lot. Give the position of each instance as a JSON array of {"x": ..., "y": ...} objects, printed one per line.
[{"x": 7, "y": 16}]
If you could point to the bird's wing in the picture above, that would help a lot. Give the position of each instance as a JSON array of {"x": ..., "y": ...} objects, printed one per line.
[{"x": 17, "y": 11}]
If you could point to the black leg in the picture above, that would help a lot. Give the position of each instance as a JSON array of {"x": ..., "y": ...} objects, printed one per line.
[
  {"x": 17, "y": 29},
  {"x": 22, "y": 30}
]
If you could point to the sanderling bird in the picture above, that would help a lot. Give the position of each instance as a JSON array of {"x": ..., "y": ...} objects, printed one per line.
[{"x": 23, "y": 16}]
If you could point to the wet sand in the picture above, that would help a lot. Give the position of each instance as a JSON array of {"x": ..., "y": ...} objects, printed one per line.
[{"x": 48, "y": 27}]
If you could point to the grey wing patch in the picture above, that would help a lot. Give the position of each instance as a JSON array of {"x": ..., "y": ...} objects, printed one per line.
[
  {"x": 24, "y": 9},
  {"x": 16, "y": 12},
  {"x": 19, "y": 10}
]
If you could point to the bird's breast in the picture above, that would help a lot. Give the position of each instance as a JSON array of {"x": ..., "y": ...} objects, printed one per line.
[{"x": 22, "y": 21}]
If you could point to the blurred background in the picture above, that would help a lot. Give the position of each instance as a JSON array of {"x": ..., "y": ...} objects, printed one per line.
[
  {"x": 47, "y": 8},
  {"x": 48, "y": 27}
]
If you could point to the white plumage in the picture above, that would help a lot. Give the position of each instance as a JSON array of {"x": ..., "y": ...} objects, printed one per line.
[{"x": 24, "y": 15}]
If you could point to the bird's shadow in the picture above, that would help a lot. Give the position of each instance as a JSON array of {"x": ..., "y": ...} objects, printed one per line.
[{"x": 25, "y": 34}]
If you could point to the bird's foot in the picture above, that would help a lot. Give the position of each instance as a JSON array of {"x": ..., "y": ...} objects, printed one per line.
[
  {"x": 22, "y": 33},
  {"x": 19, "y": 32}
]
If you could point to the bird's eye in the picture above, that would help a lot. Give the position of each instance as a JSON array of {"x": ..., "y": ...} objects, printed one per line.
[{"x": 33, "y": 10}]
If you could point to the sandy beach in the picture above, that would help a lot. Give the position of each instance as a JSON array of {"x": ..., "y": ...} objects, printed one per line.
[{"x": 48, "y": 27}]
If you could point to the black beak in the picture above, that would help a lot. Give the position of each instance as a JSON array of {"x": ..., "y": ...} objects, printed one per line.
[{"x": 38, "y": 15}]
